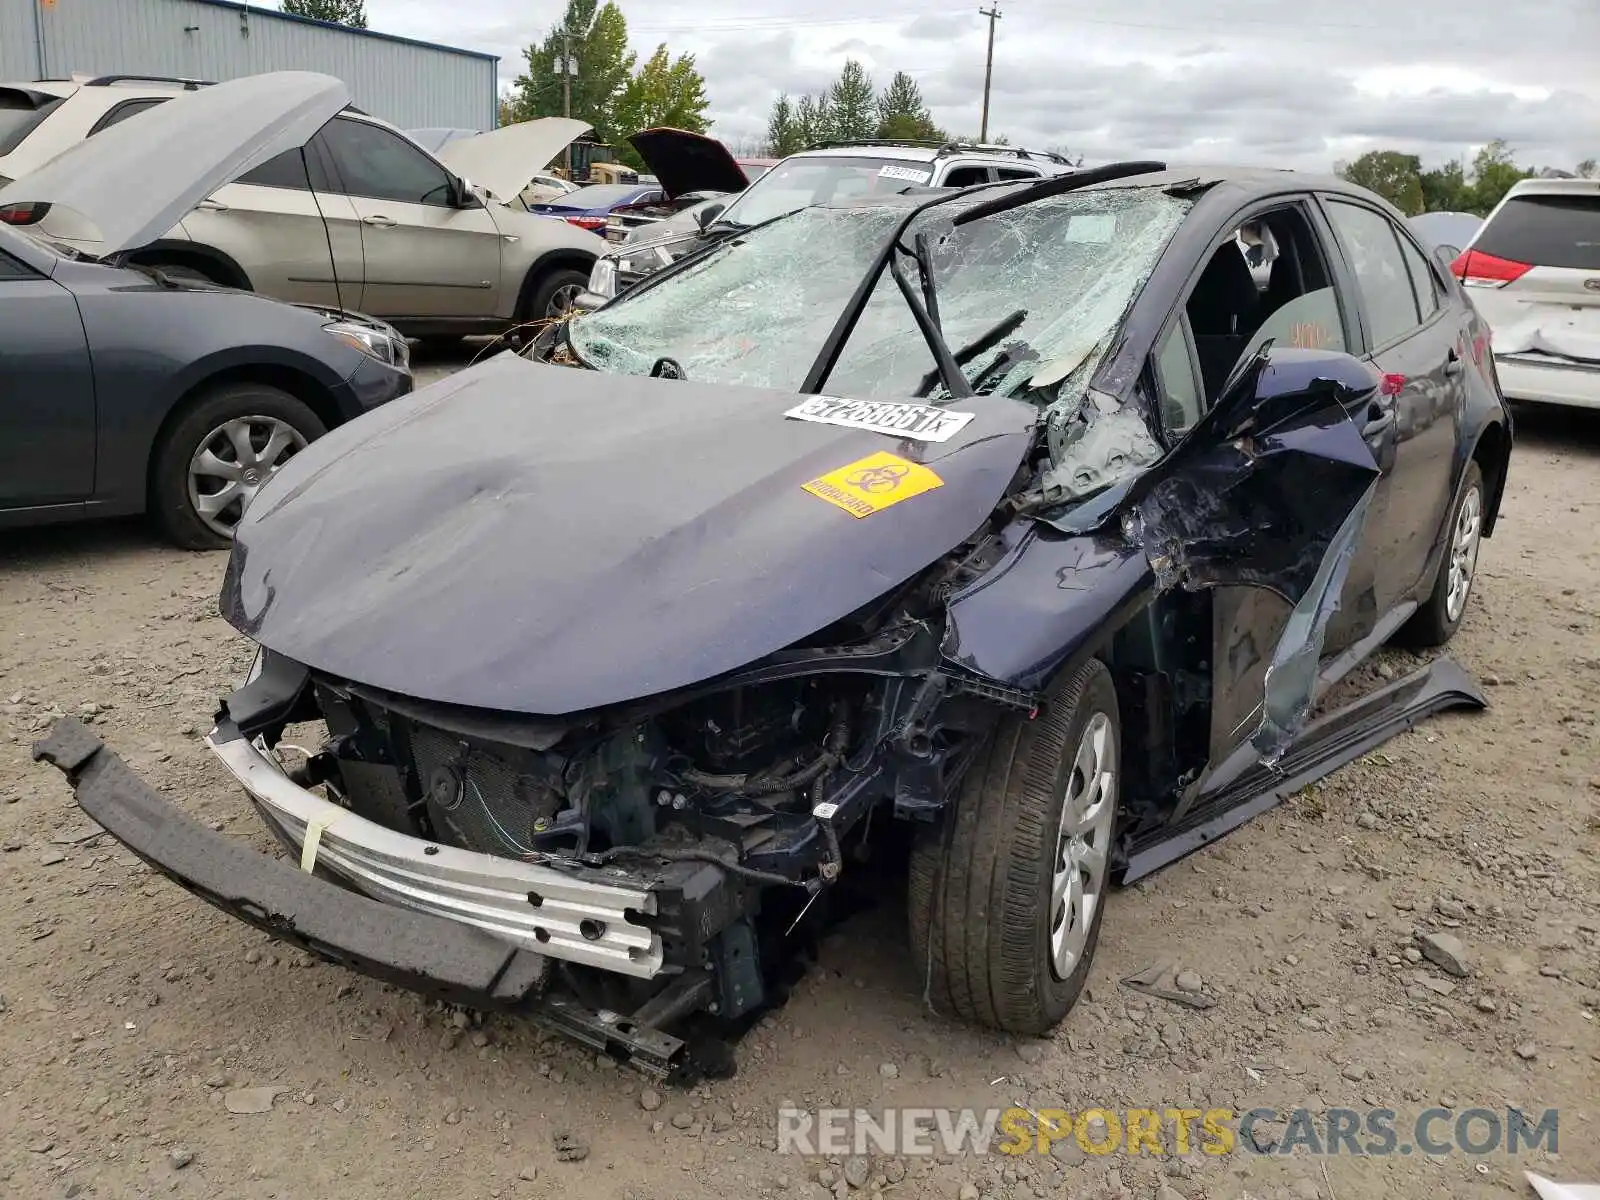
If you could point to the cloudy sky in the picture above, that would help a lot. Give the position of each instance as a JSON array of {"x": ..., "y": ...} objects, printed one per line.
[{"x": 1256, "y": 81}]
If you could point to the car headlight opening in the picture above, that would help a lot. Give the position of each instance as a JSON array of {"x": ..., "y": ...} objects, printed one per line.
[{"x": 385, "y": 347}]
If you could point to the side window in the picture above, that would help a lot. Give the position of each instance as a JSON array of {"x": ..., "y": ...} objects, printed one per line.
[
  {"x": 1373, "y": 247},
  {"x": 1015, "y": 173},
  {"x": 128, "y": 108},
  {"x": 10, "y": 268},
  {"x": 1179, "y": 380},
  {"x": 382, "y": 165},
  {"x": 286, "y": 170},
  {"x": 966, "y": 176},
  {"x": 1423, "y": 281}
]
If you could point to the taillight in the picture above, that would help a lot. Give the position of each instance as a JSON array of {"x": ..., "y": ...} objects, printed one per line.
[
  {"x": 589, "y": 223},
  {"x": 1476, "y": 269},
  {"x": 24, "y": 214}
]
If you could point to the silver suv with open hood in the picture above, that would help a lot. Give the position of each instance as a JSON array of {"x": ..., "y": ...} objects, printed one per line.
[{"x": 363, "y": 217}]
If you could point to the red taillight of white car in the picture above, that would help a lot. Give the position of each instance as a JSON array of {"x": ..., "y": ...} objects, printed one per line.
[
  {"x": 593, "y": 224},
  {"x": 1476, "y": 269},
  {"x": 23, "y": 214}
]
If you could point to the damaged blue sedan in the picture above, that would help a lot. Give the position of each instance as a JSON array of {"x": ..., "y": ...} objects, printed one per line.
[{"x": 1032, "y": 522}]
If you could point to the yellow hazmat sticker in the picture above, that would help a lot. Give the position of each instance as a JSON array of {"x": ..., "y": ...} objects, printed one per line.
[{"x": 872, "y": 484}]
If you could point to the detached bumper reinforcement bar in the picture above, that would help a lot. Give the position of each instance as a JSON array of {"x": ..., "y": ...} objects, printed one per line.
[
  {"x": 410, "y": 949},
  {"x": 560, "y": 914}
]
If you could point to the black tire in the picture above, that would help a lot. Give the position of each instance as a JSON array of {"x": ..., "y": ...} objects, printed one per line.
[
  {"x": 539, "y": 294},
  {"x": 183, "y": 438},
  {"x": 1432, "y": 624},
  {"x": 979, "y": 892}
]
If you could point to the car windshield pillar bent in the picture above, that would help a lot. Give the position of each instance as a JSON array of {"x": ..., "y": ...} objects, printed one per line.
[{"x": 1054, "y": 276}]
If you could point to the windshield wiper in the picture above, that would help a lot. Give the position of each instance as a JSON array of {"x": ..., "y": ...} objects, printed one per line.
[
  {"x": 948, "y": 369},
  {"x": 987, "y": 340},
  {"x": 833, "y": 345}
]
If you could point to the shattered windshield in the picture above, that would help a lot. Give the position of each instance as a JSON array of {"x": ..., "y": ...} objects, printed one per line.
[{"x": 1027, "y": 298}]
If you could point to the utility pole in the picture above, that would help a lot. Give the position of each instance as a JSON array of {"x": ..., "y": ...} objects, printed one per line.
[
  {"x": 566, "y": 85},
  {"x": 988, "y": 69}
]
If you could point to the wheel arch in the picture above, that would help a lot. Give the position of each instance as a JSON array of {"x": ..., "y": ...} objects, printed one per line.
[
  {"x": 1492, "y": 453},
  {"x": 214, "y": 263},
  {"x": 298, "y": 383},
  {"x": 555, "y": 259}
]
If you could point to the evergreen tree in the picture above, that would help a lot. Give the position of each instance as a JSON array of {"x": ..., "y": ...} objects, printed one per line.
[
  {"x": 902, "y": 115},
  {"x": 853, "y": 104},
  {"x": 784, "y": 135}
]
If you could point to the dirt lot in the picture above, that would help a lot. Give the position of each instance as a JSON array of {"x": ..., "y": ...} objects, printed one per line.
[{"x": 131, "y": 1011}]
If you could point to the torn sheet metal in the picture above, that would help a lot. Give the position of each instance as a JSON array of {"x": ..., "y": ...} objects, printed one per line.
[
  {"x": 1274, "y": 495},
  {"x": 1047, "y": 602},
  {"x": 1243, "y": 790}
]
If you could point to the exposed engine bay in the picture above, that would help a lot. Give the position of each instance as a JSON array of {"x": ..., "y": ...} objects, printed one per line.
[{"x": 736, "y": 803}]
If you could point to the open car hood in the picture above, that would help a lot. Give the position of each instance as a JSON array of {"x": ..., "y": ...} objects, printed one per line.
[
  {"x": 504, "y": 160},
  {"x": 544, "y": 540},
  {"x": 688, "y": 162},
  {"x": 136, "y": 179}
]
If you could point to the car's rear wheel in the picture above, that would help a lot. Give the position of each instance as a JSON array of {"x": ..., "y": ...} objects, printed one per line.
[
  {"x": 1436, "y": 622},
  {"x": 1006, "y": 897},
  {"x": 214, "y": 458}
]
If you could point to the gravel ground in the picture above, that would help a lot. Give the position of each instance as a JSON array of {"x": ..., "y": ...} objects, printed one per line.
[{"x": 134, "y": 1016}]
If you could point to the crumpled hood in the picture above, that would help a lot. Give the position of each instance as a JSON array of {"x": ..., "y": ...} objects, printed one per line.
[
  {"x": 505, "y": 159},
  {"x": 135, "y": 180},
  {"x": 545, "y": 540}
]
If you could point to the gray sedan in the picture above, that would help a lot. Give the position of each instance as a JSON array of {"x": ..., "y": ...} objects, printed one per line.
[{"x": 123, "y": 390}]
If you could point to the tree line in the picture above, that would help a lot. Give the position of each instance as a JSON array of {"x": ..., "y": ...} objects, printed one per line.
[
  {"x": 850, "y": 110},
  {"x": 1453, "y": 187},
  {"x": 618, "y": 95}
]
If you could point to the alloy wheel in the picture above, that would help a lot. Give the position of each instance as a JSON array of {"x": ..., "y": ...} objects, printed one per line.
[
  {"x": 232, "y": 462},
  {"x": 562, "y": 300},
  {"x": 1463, "y": 553},
  {"x": 1083, "y": 844}
]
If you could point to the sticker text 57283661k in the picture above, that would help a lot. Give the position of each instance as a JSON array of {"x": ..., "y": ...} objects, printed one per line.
[
  {"x": 872, "y": 484},
  {"x": 920, "y": 422}
]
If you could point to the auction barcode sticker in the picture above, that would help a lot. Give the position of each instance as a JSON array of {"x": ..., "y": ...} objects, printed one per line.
[{"x": 920, "y": 422}]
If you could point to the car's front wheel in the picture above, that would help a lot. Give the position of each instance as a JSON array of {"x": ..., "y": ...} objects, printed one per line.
[
  {"x": 550, "y": 295},
  {"x": 216, "y": 455},
  {"x": 1006, "y": 896},
  {"x": 1436, "y": 622}
]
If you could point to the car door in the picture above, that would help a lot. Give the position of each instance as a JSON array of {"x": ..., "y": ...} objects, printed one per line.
[
  {"x": 1419, "y": 344},
  {"x": 427, "y": 253},
  {"x": 47, "y": 403},
  {"x": 1193, "y": 356},
  {"x": 289, "y": 229}
]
